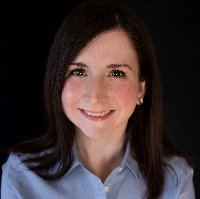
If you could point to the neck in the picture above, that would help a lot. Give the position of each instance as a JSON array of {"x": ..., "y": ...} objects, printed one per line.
[{"x": 100, "y": 156}]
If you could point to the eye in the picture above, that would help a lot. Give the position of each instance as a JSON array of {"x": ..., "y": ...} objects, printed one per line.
[
  {"x": 80, "y": 72},
  {"x": 77, "y": 72},
  {"x": 118, "y": 73}
]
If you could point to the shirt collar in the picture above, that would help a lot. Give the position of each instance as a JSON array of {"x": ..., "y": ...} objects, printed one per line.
[
  {"x": 127, "y": 160},
  {"x": 75, "y": 160}
]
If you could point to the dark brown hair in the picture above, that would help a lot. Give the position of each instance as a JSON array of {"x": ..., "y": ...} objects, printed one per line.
[{"x": 146, "y": 129}]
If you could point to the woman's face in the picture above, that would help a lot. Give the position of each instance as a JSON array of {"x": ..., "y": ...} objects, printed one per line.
[{"x": 95, "y": 83}]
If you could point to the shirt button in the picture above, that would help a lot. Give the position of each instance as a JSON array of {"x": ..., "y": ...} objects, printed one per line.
[
  {"x": 106, "y": 188},
  {"x": 120, "y": 169}
]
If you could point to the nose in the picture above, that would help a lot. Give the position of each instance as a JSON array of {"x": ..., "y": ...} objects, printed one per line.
[{"x": 97, "y": 91}]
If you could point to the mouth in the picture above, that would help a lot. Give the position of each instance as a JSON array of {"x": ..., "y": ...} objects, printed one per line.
[{"x": 100, "y": 115}]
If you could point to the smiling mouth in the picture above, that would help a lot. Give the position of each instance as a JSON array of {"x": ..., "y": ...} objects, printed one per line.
[
  {"x": 96, "y": 112},
  {"x": 97, "y": 115}
]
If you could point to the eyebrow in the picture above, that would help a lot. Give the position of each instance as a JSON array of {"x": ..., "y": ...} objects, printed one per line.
[{"x": 108, "y": 66}]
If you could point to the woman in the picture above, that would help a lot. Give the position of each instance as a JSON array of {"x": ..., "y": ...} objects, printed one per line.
[{"x": 105, "y": 136}]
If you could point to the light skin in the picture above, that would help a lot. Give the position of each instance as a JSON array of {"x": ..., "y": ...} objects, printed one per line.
[{"x": 97, "y": 87}]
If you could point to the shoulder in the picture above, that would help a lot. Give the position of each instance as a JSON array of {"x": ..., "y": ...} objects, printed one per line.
[
  {"x": 15, "y": 160},
  {"x": 178, "y": 167},
  {"x": 11, "y": 174},
  {"x": 16, "y": 177},
  {"x": 14, "y": 163}
]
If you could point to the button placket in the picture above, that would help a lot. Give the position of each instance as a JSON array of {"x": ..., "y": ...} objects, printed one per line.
[
  {"x": 107, "y": 184},
  {"x": 106, "y": 188},
  {"x": 99, "y": 190},
  {"x": 120, "y": 169}
]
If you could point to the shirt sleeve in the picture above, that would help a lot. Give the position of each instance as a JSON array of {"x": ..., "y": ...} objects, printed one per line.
[
  {"x": 187, "y": 191},
  {"x": 7, "y": 183}
]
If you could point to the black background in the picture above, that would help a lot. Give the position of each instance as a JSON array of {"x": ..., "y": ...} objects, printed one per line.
[{"x": 27, "y": 30}]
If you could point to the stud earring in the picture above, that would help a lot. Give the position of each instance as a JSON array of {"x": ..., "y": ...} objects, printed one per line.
[{"x": 140, "y": 100}]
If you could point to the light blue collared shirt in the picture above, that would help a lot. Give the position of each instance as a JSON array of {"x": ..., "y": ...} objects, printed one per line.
[{"x": 124, "y": 182}]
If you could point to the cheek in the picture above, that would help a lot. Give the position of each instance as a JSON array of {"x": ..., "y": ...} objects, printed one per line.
[
  {"x": 125, "y": 94},
  {"x": 70, "y": 93}
]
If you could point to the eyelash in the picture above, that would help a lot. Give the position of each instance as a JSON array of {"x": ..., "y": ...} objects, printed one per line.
[{"x": 123, "y": 74}]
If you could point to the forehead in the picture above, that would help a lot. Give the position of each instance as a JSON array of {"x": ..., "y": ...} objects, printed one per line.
[{"x": 108, "y": 47}]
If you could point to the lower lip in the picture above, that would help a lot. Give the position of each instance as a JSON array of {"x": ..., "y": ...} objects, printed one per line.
[{"x": 96, "y": 118}]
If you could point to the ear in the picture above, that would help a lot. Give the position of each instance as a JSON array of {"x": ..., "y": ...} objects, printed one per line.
[{"x": 141, "y": 90}]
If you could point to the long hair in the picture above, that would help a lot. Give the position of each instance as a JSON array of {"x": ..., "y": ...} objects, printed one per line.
[{"x": 146, "y": 128}]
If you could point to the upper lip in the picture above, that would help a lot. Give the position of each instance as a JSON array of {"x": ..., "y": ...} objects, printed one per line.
[{"x": 96, "y": 111}]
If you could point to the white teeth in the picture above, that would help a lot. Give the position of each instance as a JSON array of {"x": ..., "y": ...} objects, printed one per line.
[{"x": 97, "y": 114}]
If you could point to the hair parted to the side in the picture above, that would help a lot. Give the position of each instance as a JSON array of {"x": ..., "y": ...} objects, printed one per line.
[{"x": 146, "y": 128}]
